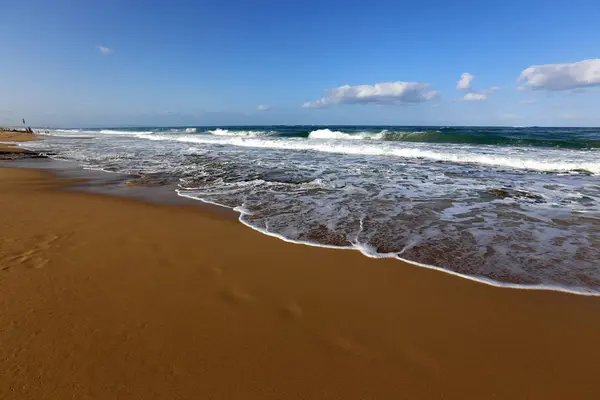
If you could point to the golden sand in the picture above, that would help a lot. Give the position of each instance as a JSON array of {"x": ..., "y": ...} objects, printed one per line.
[
  {"x": 11, "y": 136},
  {"x": 109, "y": 298}
]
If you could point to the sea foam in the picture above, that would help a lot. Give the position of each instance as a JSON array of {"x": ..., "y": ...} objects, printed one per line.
[
  {"x": 329, "y": 134},
  {"x": 546, "y": 161},
  {"x": 226, "y": 132}
]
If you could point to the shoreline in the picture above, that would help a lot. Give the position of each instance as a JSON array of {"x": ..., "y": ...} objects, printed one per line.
[
  {"x": 136, "y": 286},
  {"x": 98, "y": 181},
  {"x": 86, "y": 180},
  {"x": 9, "y": 145}
]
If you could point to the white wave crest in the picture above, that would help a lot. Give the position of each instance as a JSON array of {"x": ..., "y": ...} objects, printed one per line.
[
  {"x": 131, "y": 133},
  {"x": 226, "y": 132},
  {"x": 67, "y": 130},
  {"x": 65, "y": 133},
  {"x": 547, "y": 161},
  {"x": 191, "y": 130},
  {"x": 329, "y": 134}
]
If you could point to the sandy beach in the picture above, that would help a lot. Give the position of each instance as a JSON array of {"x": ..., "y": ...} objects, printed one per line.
[
  {"x": 299, "y": 200},
  {"x": 9, "y": 141},
  {"x": 15, "y": 136},
  {"x": 104, "y": 297}
]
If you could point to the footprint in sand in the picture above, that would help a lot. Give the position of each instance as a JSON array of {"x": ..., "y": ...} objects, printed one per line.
[
  {"x": 291, "y": 310},
  {"x": 34, "y": 257},
  {"x": 216, "y": 270},
  {"x": 347, "y": 345},
  {"x": 235, "y": 296}
]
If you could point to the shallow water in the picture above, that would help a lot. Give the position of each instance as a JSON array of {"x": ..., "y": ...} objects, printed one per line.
[{"x": 515, "y": 206}]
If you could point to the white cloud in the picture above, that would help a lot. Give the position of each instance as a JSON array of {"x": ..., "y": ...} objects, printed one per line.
[
  {"x": 465, "y": 81},
  {"x": 562, "y": 76},
  {"x": 464, "y": 84},
  {"x": 571, "y": 116},
  {"x": 263, "y": 107},
  {"x": 473, "y": 96},
  {"x": 379, "y": 93},
  {"x": 528, "y": 101},
  {"x": 105, "y": 50}
]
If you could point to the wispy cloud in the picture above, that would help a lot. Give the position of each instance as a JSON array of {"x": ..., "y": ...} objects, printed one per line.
[
  {"x": 562, "y": 76},
  {"x": 480, "y": 95},
  {"x": 464, "y": 84},
  {"x": 475, "y": 97},
  {"x": 379, "y": 93},
  {"x": 465, "y": 81},
  {"x": 105, "y": 50},
  {"x": 571, "y": 116},
  {"x": 528, "y": 101},
  {"x": 263, "y": 107}
]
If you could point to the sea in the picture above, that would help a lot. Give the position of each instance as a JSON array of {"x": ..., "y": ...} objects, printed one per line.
[{"x": 507, "y": 206}]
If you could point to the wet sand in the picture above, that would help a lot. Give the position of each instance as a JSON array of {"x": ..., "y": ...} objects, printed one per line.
[{"x": 104, "y": 297}]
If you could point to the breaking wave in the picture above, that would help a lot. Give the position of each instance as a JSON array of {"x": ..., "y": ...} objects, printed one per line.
[
  {"x": 226, "y": 132},
  {"x": 546, "y": 161}
]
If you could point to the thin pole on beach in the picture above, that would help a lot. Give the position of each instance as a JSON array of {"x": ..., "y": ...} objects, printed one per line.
[{"x": 27, "y": 129}]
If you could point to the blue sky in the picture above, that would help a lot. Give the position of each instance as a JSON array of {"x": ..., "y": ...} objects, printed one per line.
[{"x": 74, "y": 63}]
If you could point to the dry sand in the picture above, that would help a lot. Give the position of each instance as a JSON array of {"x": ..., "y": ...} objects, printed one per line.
[
  {"x": 109, "y": 298},
  {"x": 17, "y": 136}
]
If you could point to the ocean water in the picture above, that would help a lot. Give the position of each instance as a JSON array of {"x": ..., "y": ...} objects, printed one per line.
[{"x": 513, "y": 206}]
